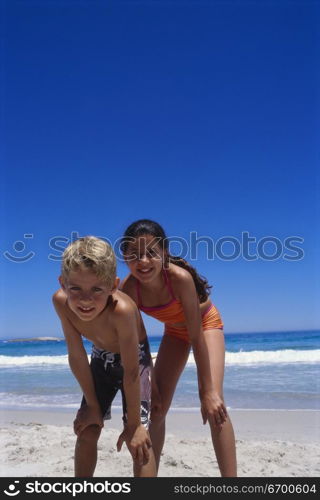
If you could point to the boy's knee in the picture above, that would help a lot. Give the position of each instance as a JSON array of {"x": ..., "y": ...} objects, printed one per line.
[{"x": 89, "y": 434}]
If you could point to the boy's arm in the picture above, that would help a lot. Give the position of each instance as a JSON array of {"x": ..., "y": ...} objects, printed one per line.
[
  {"x": 128, "y": 338},
  {"x": 155, "y": 395},
  {"x": 79, "y": 365},
  {"x": 138, "y": 439}
]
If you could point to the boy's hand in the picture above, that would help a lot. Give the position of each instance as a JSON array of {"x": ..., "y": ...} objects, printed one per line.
[
  {"x": 138, "y": 443},
  {"x": 87, "y": 415},
  {"x": 213, "y": 409}
]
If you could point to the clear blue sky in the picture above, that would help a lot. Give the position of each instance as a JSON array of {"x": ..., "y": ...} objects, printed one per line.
[{"x": 202, "y": 115}]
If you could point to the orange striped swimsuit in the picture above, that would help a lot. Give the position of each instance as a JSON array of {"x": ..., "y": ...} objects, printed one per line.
[{"x": 172, "y": 312}]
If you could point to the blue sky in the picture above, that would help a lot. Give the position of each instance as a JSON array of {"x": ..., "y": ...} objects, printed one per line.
[{"x": 200, "y": 115}]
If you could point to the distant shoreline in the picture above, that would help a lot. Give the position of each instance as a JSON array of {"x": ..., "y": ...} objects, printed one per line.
[
  {"x": 32, "y": 339},
  {"x": 159, "y": 335}
]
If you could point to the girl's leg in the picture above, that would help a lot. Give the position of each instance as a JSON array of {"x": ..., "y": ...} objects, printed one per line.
[
  {"x": 223, "y": 439},
  {"x": 85, "y": 457},
  {"x": 172, "y": 357}
]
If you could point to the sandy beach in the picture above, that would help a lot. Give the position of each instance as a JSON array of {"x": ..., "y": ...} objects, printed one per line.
[{"x": 269, "y": 444}]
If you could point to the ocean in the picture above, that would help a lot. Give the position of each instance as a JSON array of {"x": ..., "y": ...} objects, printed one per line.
[{"x": 275, "y": 370}]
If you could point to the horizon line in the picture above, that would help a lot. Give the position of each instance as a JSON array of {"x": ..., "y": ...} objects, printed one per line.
[{"x": 161, "y": 334}]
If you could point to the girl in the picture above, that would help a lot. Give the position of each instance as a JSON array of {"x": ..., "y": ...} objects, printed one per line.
[{"x": 170, "y": 290}]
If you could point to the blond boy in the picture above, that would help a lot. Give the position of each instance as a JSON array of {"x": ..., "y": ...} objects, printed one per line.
[{"x": 90, "y": 305}]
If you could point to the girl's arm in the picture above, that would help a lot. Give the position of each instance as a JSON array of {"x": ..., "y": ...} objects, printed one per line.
[
  {"x": 155, "y": 394},
  {"x": 191, "y": 308},
  {"x": 212, "y": 405}
]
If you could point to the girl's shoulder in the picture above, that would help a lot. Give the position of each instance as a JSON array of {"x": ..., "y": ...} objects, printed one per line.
[
  {"x": 129, "y": 286},
  {"x": 178, "y": 276}
]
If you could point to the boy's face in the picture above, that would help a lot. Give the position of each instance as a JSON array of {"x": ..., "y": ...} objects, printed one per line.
[
  {"x": 87, "y": 294},
  {"x": 145, "y": 258}
]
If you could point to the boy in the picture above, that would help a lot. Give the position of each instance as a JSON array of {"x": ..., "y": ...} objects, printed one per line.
[{"x": 89, "y": 304}]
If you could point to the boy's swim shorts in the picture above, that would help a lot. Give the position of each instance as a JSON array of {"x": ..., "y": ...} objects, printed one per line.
[{"x": 107, "y": 373}]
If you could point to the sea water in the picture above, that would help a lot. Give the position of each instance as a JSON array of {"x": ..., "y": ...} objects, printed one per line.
[{"x": 270, "y": 370}]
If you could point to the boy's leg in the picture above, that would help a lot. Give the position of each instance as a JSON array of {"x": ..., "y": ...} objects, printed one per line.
[
  {"x": 85, "y": 457},
  {"x": 172, "y": 357},
  {"x": 86, "y": 445}
]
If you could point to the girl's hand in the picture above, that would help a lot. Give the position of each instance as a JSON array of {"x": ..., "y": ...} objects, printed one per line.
[
  {"x": 138, "y": 443},
  {"x": 213, "y": 409},
  {"x": 87, "y": 415}
]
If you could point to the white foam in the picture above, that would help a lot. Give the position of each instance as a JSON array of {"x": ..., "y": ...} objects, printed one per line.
[
  {"x": 7, "y": 361},
  {"x": 283, "y": 356},
  {"x": 232, "y": 358}
]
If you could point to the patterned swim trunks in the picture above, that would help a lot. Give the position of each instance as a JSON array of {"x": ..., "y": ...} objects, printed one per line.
[{"x": 107, "y": 373}]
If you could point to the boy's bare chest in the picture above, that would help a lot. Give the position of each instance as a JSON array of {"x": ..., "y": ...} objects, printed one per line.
[{"x": 100, "y": 331}]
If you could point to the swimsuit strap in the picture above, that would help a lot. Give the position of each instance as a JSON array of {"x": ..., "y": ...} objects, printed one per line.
[{"x": 168, "y": 283}]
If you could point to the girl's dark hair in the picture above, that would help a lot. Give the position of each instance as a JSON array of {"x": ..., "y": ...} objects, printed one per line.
[{"x": 144, "y": 227}]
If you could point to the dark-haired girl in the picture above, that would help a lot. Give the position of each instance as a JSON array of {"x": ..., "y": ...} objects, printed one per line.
[{"x": 170, "y": 290}]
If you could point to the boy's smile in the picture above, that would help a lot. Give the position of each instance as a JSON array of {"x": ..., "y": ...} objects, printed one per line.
[
  {"x": 87, "y": 295},
  {"x": 86, "y": 310}
]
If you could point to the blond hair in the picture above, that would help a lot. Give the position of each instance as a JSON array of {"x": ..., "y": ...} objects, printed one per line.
[{"x": 90, "y": 253}]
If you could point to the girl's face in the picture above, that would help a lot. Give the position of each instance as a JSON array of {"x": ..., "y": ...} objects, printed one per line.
[{"x": 145, "y": 258}]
